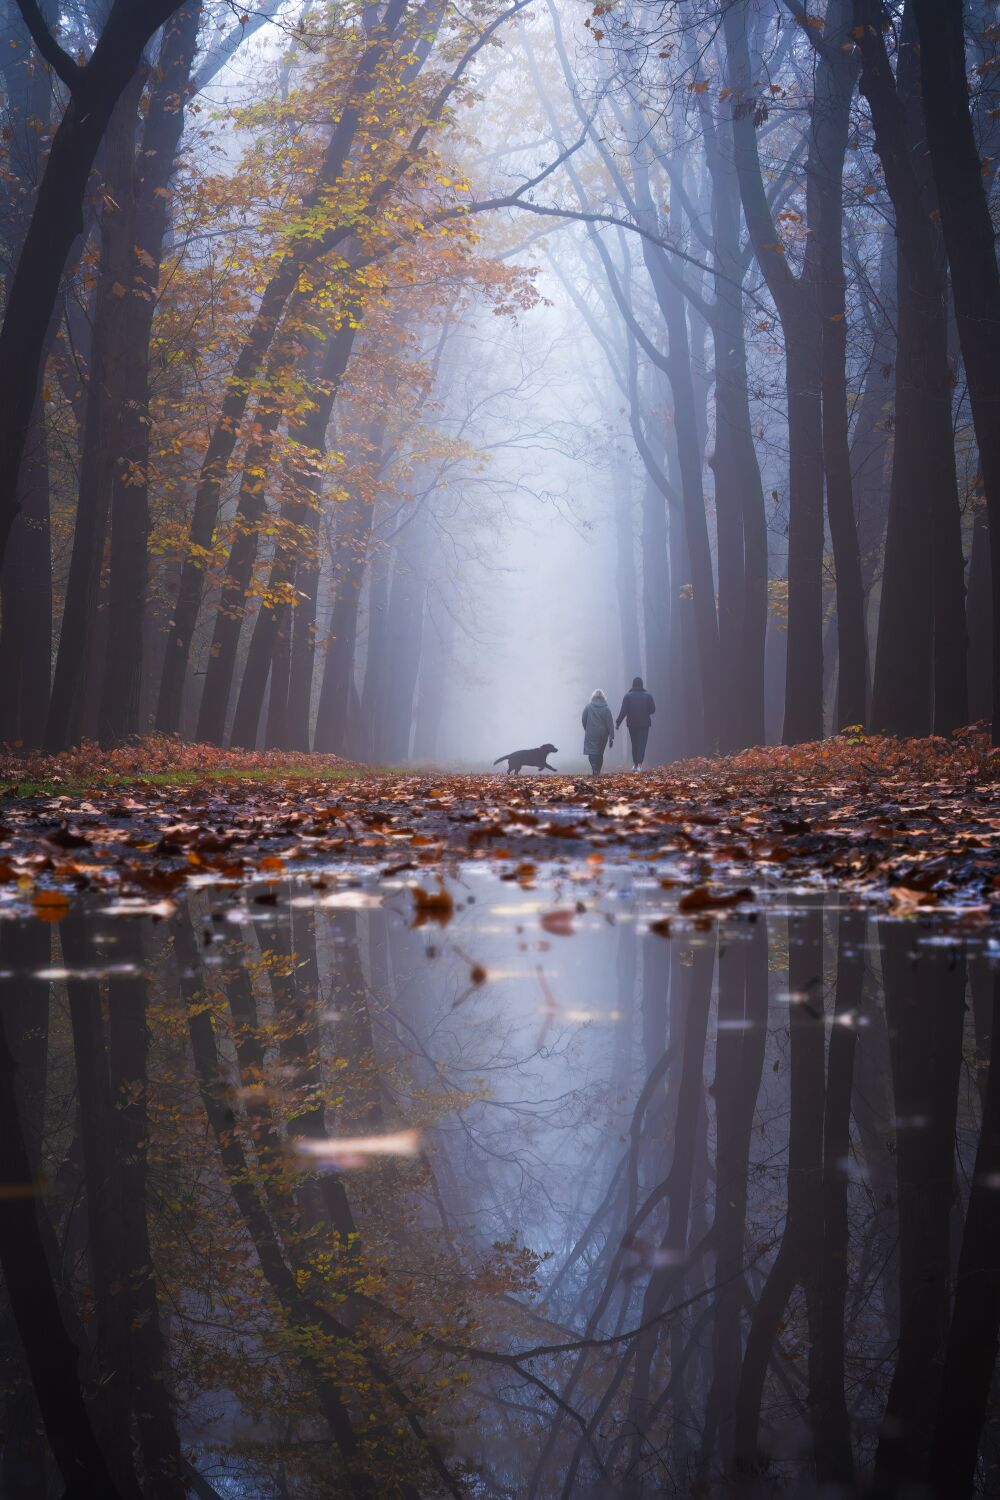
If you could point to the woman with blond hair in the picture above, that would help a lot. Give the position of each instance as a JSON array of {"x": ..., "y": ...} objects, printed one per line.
[{"x": 598, "y": 730}]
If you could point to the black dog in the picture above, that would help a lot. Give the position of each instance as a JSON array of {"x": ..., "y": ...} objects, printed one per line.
[{"x": 539, "y": 758}]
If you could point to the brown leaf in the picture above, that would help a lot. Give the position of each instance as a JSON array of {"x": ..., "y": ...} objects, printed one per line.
[
  {"x": 702, "y": 898},
  {"x": 432, "y": 906},
  {"x": 559, "y": 923},
  {"x": 50, "y": 906}
]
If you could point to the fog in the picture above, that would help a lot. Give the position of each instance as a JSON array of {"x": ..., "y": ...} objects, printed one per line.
[{"x": 539, "y": 627}]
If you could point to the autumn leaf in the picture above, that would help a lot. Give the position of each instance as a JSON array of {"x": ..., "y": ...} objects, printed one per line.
[
  {"x": 704, "y": 899},
  {"x": 50, "y": 906},
  {"x": 559, "y": 923},
  {"x": 432, "y": 906}
]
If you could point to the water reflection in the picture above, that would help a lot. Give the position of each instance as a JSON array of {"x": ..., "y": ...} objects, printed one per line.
[{"x": 532, "y": 1187}]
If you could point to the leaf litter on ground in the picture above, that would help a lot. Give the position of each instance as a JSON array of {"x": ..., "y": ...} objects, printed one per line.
[{"x": 912, "y": 824}]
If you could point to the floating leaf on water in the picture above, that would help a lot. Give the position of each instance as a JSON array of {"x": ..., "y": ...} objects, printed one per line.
[
  {"x": 905, "y": 900},
  {"x": 559, "y": 923},
  {"x": 50, "y": 906},
  {"x": 703, "y": 898},
  {"x": 432, "y": 906}
]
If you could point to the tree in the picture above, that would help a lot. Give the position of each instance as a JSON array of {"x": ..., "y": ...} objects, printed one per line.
[{"x": 94, "y": 89}]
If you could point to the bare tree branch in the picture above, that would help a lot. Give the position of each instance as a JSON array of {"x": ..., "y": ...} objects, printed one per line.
[{"x": 64, "y": 66}]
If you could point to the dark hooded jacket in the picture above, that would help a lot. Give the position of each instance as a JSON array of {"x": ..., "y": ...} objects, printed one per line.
[{"x": 637, "y": 707}]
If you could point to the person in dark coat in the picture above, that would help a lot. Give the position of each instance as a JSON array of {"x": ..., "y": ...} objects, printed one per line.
[
  {"x": 598, "y": 729},
  {"x": 637, "y": 710}
]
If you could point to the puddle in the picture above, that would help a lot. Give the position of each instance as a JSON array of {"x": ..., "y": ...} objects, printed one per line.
[{"x": 546, "y": 1188}]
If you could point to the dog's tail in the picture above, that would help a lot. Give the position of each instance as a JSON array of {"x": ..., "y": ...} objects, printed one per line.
[{"x": 504, "y": 757}]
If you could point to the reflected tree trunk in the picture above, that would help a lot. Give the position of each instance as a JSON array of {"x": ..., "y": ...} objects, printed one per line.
[
  {"x": 104, "y": 1188},
  {"x": 739, "y": 1061},
  {"x": 128, "y": 1046},
  {"x": 828, "y": 1397},
  {"x": 924, "y": 995},
  {"x": 973, "y": 1338},
  {"x": 50, "y": 1354},
  {"x": 799, "y": 1253}
]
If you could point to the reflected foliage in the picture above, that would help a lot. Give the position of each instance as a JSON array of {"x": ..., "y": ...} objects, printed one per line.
[{"x": 311, "y": 1195}]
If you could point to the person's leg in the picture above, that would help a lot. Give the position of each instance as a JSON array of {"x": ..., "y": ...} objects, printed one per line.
[
  {"x": 596, "y": 762},
  {"x": 639, "y": 738},
  {"x": 634, "y": 745}
]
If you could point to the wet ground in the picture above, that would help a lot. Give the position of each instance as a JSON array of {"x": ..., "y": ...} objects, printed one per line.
[{"x": 508, "y": 1176}]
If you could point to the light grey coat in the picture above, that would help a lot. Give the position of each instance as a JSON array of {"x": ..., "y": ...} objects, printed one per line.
[{"x": 598, "y": 726}]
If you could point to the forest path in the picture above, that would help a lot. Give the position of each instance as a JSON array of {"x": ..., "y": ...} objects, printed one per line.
[{"x": 911, "y": 825}]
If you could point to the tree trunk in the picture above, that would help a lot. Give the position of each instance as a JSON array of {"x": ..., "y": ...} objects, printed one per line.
[
  {"x": 57, "y": 221},
  {"x": 970, "y": 243},
  {"x": 834, "y": 89},
  {"x": 804, "y": 660},
  {"x": 980, "y": 621},
  {"x": 656, "y": 610},
  {"x": 257, "y": 671},
  {"x": 374, "y": 688},
  {"x": 148, "y": 215},
  {"x": 405, "y": 632},
  {"x": 276, "y": 732},
  {"x": 739, "y": 494},
  {"x": 625, "y": 581},
  {"x": 901, "y": 691},
  {"x": 353, "y": 558},
  {"x": 107, "y": 393},
  {"x": 436, "y": 662},
  {"x": 26, "y": 600},
  {"x": 26, "y": 597},
  {"x": 683, "y": 697},
  {"x": 690, "y": 459},
  {"x": 310, "y": 434},
  {"x": 871, "y": 445},
  {"x": 797, "y": 302},
  {"x": 231, "y": 610},
  {"x": 912, "y": 657}
]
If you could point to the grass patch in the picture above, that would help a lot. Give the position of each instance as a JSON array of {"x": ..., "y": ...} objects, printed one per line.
[{"x": 72, "y": 786}]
